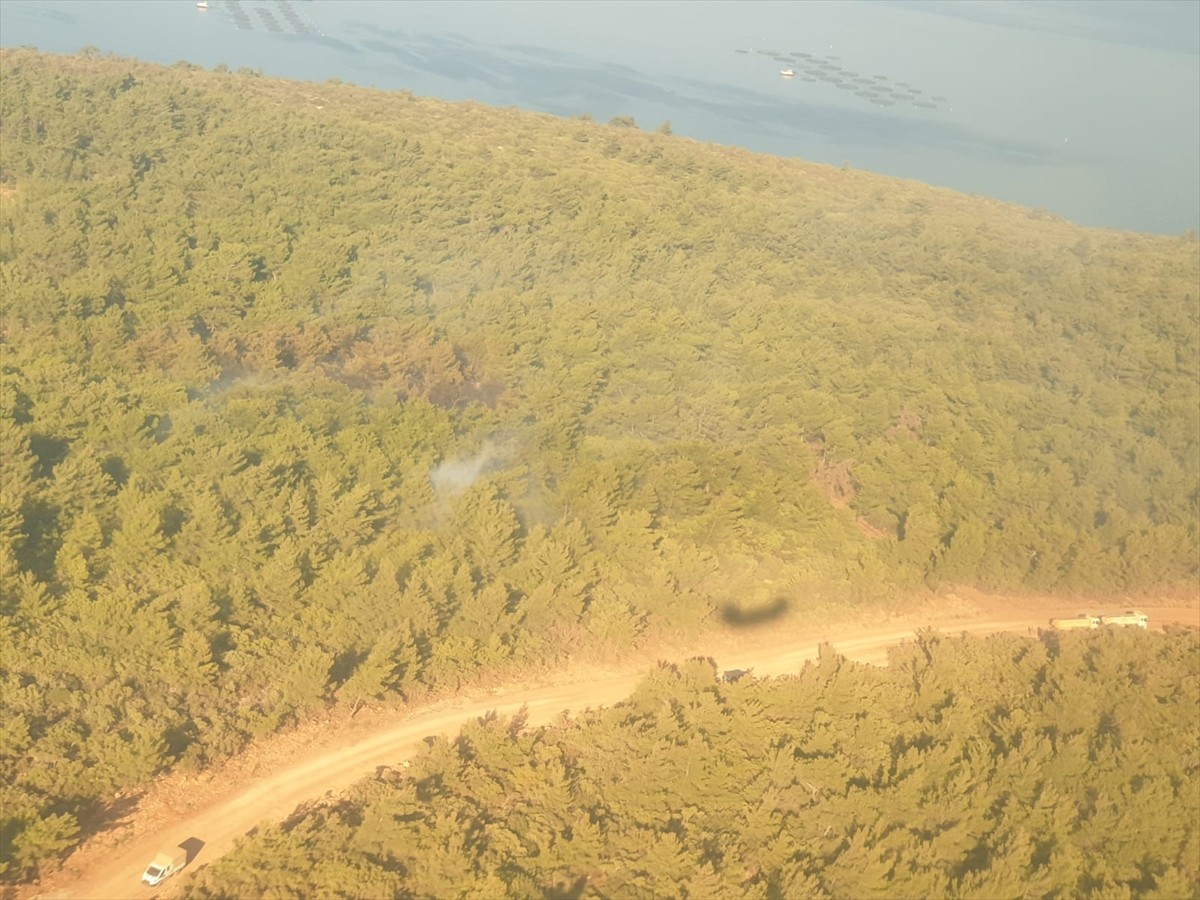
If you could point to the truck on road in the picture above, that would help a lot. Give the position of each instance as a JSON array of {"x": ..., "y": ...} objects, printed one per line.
[
  {"x": 1083, "y": 620},
  {"x": 164, "y": 865},
  {"x": 1129, "y": 617}
]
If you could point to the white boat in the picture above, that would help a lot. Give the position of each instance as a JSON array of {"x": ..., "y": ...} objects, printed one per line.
[
  {"x": 203, "y": 4},
  {"x": 786, "y": 73}
]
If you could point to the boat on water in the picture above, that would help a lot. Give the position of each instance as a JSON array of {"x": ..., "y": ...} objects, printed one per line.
[
  {"x": 786, "y": 73},
  {"x": 203, "y": 4}
]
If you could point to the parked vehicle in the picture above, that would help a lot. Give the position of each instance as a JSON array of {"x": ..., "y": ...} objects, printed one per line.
[
  {"x": 1130, "y": 617},
  {"x": 164, "y": 865}
]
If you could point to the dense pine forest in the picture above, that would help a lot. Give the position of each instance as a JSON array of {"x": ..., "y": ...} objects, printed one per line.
[
  {"x": 313, "y": 394},
  {"x": 1008, "y": 768}
]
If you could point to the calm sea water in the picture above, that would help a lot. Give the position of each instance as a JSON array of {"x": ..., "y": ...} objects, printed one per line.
[{"x": 1089, "y": 110}]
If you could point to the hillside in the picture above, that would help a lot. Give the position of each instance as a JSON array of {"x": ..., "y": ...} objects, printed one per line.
[{"x": 314, "y": 394}]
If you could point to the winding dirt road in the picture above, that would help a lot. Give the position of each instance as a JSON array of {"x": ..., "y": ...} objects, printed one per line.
[{"x": 110, "y": 866}]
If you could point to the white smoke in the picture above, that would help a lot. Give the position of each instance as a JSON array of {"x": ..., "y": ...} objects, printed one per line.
[{"x": 456, "y": 475}]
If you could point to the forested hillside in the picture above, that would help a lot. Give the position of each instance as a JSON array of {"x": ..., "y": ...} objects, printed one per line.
[
  {"x": 313, "y": 394},
  {"x": 1007, "y": 768}
]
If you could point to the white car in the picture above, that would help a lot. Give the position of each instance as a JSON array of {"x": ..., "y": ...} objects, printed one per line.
[{"x": 164, "y": 865}]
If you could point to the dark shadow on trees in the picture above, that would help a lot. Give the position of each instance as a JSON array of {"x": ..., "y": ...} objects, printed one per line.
[
  {"x": 114, "y": 467},
  {"x": 49, "y": 451},
  {"x": 96, "y": 816},
  {"x": 322, "y": 809},
  {"x": 42, "y": 541}
]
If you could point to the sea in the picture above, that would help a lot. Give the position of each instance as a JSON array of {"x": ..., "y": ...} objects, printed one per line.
[{"x": 1086, "y": 110}]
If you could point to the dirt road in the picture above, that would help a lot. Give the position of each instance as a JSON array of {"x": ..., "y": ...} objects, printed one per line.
[{"x": 107, "y": 869}]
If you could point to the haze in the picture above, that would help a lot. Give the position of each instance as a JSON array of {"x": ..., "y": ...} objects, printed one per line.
[{"x": 1088, "y": 110}]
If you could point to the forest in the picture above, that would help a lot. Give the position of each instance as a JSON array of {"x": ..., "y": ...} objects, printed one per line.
[
  {"x": 1065, "y": 766},
  {"x": 313, "y": 395}
]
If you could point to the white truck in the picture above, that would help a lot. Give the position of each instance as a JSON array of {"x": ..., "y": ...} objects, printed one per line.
[
  {"x": 1131, "y": 617},
  {"x": 1083, "y": 620},
  {"x": 164, "y": 865}
]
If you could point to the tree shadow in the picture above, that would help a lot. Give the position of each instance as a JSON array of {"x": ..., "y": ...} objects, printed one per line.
[
  {"x": 49, "y": 451},
  {"x": 97, "y": 816}
]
